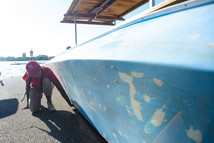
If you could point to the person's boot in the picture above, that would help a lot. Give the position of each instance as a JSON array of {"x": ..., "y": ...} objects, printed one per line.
[{"x": 51, "y": 107}]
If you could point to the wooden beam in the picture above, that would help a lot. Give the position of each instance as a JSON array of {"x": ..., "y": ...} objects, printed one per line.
[
  {"x": 75, "y": 6},
  {"x": 134, "y": 7},
  {"x": 164, "y": 4},
  {"x": 88, "y": 22},
  {"x": 99, "y": 9},
  {"x": 93, "y": 16},
  {"x": 170, "y": 3}
]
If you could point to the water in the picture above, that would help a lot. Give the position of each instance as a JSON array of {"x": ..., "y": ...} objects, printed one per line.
[{"x": 14, "y": 68}]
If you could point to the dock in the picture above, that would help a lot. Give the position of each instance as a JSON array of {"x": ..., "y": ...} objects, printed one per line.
[{"x": 64, "y": 125}]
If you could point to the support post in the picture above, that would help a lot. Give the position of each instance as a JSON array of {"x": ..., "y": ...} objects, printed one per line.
[
  {"x": 75, "y": 23},
  {"x": 114, "y": 21},
  {"x": 151, "y": 3}
]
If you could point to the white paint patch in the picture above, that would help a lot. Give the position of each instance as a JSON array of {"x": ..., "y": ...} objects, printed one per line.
[
  {"x": 195, "y": 135},
  {"x": 120, "y": 132},
  {"x": 105, "y": 108},
  {"x": 89, "y": 92},
  {"x": 89, "y": 104},
  {"x": 158, "y": 117},
  {"x": 100, "y": 105},
  {"x": 147, "y": 98},
  {"x": 212, "y": 45},
  {"x": 137, "y": 75},
  {"x": 104, "y": 135},
  {"x": 135, "y": 104},
  {"x": 125, "y": 77},
  {"x": 115, "y": 137},
  {"x": 136, "y": 107},
  {"x": 158, "y": 82},
  {"x": 108, "y": 85},
  {"x": 128, "y": 107},
  {"x": 195, "y": 37},
  {"x": 130, "y": 113}
]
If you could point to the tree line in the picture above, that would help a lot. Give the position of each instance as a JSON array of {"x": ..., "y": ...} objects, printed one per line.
[{"x": 25, "y": 58}]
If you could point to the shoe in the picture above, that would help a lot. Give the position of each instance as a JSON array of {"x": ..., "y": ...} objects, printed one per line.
[{"x": 51, "y": 107}]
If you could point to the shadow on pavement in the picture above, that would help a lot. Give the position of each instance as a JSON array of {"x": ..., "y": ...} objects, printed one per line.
[
  {"x": 8, "y": 107},
  {"x": 67, "y": 127}
]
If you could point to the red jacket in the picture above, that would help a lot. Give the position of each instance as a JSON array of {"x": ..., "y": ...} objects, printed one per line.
[{"x": 47, "y": 73}]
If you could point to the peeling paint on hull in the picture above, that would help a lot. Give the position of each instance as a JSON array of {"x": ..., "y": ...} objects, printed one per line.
[
  {"x": 160, "y": 90},
  {"x": 109, "y": 115}
]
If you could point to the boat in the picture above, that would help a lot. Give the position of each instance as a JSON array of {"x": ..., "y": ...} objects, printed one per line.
[
  {"x": 148, "y": 79},
  {"x": 15, "y": 63}
]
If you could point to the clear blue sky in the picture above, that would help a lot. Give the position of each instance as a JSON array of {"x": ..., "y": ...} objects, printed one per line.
[{"x": 35, "y": 24}]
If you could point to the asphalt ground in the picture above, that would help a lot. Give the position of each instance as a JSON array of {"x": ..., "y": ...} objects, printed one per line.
[{"x": 66, "y": 125}]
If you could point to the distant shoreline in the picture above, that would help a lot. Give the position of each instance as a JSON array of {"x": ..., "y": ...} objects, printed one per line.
[{"x": 38, "y": 58}]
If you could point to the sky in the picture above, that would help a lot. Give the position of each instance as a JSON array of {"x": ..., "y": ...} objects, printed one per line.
[{"x": 35, "y": 24}]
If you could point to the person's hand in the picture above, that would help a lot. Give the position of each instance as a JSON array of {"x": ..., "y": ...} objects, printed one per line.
[{"x": 27, "y": 107}]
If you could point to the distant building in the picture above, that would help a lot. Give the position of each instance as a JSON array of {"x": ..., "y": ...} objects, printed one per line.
[
  {"x": 10, "y": 58},
  {"x": 31, "y": 53},
  {"x": 42, "y": 56},
  {"x": 24, "y": 55}
]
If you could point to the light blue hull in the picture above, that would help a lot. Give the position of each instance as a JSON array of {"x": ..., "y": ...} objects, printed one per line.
[{"x": 150, "y": 80}]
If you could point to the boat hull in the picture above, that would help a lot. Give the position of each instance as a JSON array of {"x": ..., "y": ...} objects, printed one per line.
[{"x": 150, "y": 81}]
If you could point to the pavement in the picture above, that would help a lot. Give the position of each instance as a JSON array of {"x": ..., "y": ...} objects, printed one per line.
[{"x": 64, "y": 125}]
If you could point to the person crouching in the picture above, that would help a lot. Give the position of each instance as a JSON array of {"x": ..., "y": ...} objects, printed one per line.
[{"x": 39, "y": 80}]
